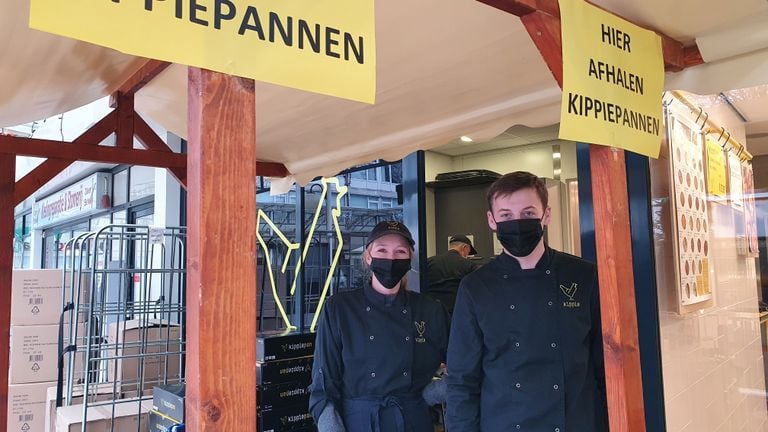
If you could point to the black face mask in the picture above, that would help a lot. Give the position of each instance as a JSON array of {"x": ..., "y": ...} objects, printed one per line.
[
  {"x": 520, "y": 236},
  {"x": 390, "y": 271}
]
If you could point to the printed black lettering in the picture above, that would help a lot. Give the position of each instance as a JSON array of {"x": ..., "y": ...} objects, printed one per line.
[
  {"x": 330, "y": 42},
  {"x": 179, "y": 9},
  {"x": 148, "y": 5},
  {"x": 251, "y": 22},
  {"x": 194, "y": 7},
  {"x": 219, "y": 16},
  {"x": 286, "y": 32},
  {"x": 572, "y": 98},
  {"x": 593, "y": 69},
  {"x": 357, "y": 50},
  {"x": 626, "y": 43},
  {"x": 312, "y": 39}
]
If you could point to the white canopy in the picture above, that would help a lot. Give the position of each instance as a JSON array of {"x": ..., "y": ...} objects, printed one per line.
[{"x": 445, "y": 69}]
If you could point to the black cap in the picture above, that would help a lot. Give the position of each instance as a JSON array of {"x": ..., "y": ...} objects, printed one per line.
[
  {"x": 461, "y": 238},
  {"x": 390, "y": 227}
]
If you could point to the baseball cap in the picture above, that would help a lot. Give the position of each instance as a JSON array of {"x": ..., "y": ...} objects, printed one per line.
[
  {"x": 390, "y": 227},
  {"x": 461, "y": 238}
]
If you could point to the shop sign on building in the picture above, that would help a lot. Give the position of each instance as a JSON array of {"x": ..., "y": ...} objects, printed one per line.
[
  {"x": 613, "y": 80},
  {"x": 322, "y": 46},
  {"x": 83, "y": 198}
]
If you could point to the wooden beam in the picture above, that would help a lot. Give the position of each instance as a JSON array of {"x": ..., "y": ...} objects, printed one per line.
[
  {"x": 142, "y": 77},
  {"x": 7, "y": 180},
  {"x": 125, "y": 120},
  {"x": 89, "y": 152},
  {"x": 544, "y": 30},
  {"x": 674, "y": 51},
  {"x": 151, "y": 141},
  {"x": 46, "y": 171},
  {"x": 271, "y": 169},
  {"x": 624, "y": 382},
  {"x": 38, "y": 177},
  {"x": 221, "y": 293}
]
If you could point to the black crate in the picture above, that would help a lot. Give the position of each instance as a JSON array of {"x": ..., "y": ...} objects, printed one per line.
[
  {"x": 271, "y": 346},
  {"x": 169, "y": 401},
  {"x": 284, "y": 371},
  {"x": 285, "y": 419},
  {"x": 279, "y": 395}
]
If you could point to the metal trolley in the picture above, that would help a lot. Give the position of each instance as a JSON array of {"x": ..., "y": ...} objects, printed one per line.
[{"x": 122, "y": 327}]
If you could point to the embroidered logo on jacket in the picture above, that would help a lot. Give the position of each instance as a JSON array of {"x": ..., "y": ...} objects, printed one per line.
[
  {"x": 570, "y": 293},
  {"x": 421, "y": 328}
]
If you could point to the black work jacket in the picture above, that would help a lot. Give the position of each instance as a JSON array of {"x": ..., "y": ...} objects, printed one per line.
[
  {"x": 374, "y": 353},
  {"x": 526, "y": 349},
  {"x": 444, "y": 273}
]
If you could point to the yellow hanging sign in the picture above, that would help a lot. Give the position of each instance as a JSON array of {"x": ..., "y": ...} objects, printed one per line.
[
  {"x": 322, "y": 46},
  {"x": 717, "y": 174},
  {"x": 613, "y": 80}
]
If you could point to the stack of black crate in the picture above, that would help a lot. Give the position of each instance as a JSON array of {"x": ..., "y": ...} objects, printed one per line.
[{"x": 284, "y": 373}]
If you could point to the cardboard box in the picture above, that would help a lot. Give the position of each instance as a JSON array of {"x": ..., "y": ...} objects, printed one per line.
[
  {"x": 36, "y": 297},
  {"x": 280, "y": 395},
  {"x": 284, "y": 371},
  {"x": 160, "y": 423},
  {"x": 284, "y": 419},
  {"x": 26, "y": 407},
  {"x": 34, "y": 354},
  {"x": 129, "y": 416},
  {"x": 143, "y": 337},
  {"x": 169, "y": 401},
  {"x": 97, "y": 393},
  {"x": 272, "y": 346}
]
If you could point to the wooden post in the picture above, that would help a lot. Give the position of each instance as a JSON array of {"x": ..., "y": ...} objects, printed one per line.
[
  {"x": 7, "y": 183},
  {"x": 221, "y": 289},
  {"x": 613, "y": 238}
]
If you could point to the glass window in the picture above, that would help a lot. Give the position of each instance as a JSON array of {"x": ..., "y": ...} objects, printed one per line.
[
  {"x": 99, "y": 222},
  {"x": 142, "y": 182},
  {"x": 120, "y": 193},
  {"x": 373, "y": 203}
]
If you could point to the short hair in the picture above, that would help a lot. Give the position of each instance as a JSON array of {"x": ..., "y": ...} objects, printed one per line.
[
  {"x": 456, "y": 244},
  {"x": 515, "y": 181}
]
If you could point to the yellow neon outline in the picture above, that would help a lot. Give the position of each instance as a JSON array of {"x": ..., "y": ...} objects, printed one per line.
[
  {"x": 335, "y": 213},
  {"x": 291, "y": 246}
]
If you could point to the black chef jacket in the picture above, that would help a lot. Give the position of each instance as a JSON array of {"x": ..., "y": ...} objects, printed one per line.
[
  {"x": 444, "y": 272},
  {"x": 374, "y": 355},
  {"x": 526, "y": 349}
]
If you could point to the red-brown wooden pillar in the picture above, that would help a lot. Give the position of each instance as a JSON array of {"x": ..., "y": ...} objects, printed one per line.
[
  {"x": 221, "y": 289},
  {"x": 7, "y": 183}
]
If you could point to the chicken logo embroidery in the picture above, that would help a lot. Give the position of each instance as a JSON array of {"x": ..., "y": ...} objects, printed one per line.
[
  {"x": 570, "y": 292},
  {"x": 421, "y": 328}
]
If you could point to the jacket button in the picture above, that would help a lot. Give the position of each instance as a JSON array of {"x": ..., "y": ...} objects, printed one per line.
[
  {"x": 549, "y": 303},
  {"x": 405, "y": 311},
  {"x": 554, "y": 345},
  {"x": 557, "y": 429},
  {"x": 506, "y": 276},
  {"x": 371, "y": 338},
  {"x": 511, "y": 306},
  {"x": 517, "y": 385},
  {"x": 407, "y": 338},
  {"x": 548, "y": 272},
  {"x": 373, "y": 374},
  {"x": 517, "y": 344},
  {"x": 517, "y": 427},
  {"x": 367, "y": 308},
  {"x": 555, "y": 386},
  {"x": 405, "y": 374}
]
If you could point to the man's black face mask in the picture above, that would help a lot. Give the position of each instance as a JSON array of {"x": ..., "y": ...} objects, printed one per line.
[{"x": 520, "y": 236}]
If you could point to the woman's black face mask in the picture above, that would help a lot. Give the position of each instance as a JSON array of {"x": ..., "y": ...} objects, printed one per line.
[
  {"x": 520, "y": 236},
  {"x": 390, "y": 271}
]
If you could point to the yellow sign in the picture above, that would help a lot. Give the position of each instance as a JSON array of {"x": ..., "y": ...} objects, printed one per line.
[
  {"x": 613, "y": 79},
  {"x": 322, "y": 46},
  {"x": 717, "y": 174}
]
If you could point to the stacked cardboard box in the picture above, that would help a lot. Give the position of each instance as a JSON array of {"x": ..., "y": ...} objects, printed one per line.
[
  {"x": 36, "y": 297},
  {"x": 284, "y": 373}
]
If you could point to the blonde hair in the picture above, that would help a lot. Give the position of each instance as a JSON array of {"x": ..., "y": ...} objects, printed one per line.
[{"x": 368, "y": 274}]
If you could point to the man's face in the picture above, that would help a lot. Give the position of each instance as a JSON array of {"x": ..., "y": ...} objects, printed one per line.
[{"x": 522, "y": 204}]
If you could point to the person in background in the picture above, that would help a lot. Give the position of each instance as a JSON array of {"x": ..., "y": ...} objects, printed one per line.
[
  {"x": 445, "y": 271},
  {"x": 379, "y": 346},
  {"x": 526, "y": 350}
]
